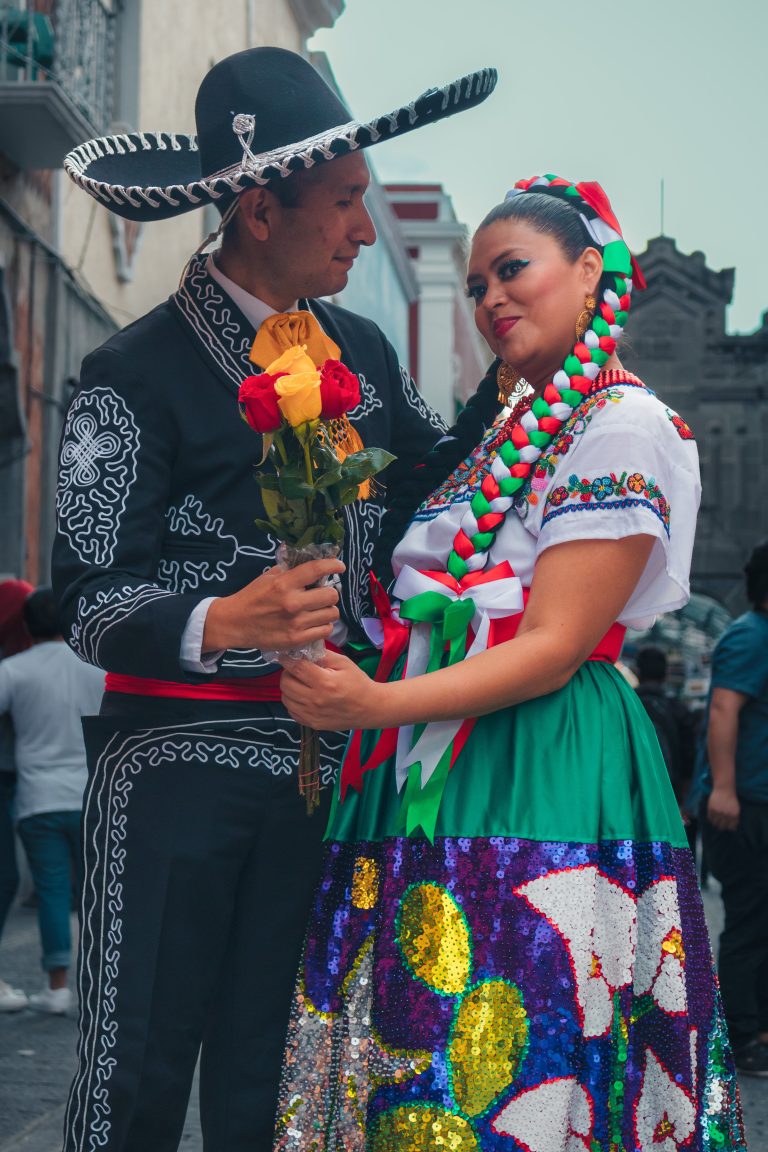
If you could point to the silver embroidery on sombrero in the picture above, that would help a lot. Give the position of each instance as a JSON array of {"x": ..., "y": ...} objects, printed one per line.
[{"x": 258, "y": 168}]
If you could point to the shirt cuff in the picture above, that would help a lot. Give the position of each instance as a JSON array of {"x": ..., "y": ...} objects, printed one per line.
[{"x": 191, "y": 657}]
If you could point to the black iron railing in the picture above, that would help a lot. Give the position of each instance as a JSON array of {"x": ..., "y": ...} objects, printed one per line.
[{"x": 69, "y": 43}]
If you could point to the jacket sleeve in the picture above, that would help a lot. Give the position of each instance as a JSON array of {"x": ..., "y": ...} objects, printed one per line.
[{"x": 117, "y": 451}]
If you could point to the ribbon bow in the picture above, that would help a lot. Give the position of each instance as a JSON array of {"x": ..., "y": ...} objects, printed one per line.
[
  {"x": 441, "y": 610},
  {"x": 291, "y": 330}
]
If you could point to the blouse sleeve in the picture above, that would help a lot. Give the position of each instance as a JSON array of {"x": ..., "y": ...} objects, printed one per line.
[{"x": 633, "y": 470}]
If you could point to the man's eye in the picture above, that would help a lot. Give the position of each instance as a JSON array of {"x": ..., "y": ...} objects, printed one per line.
[
  {"x": 511, "y": 268},
  {"x": 345, "y": 203},
  {"x": 476, "y": 292}
]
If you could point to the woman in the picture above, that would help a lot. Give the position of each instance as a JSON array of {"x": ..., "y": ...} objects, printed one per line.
[{"x": 508, "y": 948}]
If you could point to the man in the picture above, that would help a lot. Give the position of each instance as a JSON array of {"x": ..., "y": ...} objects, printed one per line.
[
  {"x": 200, "y": 860},
  {"x": 46, "y": 691},
  {"x": 736, "y": 827}
]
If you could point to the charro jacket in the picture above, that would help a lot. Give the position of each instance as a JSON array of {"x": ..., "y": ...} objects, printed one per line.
[{"x": 157, "y": 497}]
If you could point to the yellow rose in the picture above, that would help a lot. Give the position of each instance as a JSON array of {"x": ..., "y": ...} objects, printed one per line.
[
  {"x": 299, "y": 391},
  {"x": 293, "y": 360},
  {"x": 299, "y": 397}
]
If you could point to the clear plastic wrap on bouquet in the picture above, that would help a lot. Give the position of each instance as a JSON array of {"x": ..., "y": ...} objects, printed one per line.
[{"x": 291, "y": 556}]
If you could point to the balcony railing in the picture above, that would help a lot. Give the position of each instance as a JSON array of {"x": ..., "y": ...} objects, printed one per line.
[{"x": 56, "y": 76}]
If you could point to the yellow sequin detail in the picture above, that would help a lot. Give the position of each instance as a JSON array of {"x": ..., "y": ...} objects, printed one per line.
[
  {"x": 365, "y": 883},
  {"x": 410, "y": 1128},
  {"x": 489, "y": 1039},
  {"x": 673, "y": 945},
  {"x": 434, "y": 939}
]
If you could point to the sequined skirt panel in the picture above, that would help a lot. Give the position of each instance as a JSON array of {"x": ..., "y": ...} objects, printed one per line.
[
  {"x": 505, "y": 994},
  {"x": 539, "y": 979}
]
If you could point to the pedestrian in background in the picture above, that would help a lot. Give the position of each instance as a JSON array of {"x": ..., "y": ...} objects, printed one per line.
[
  {"x": 46, "y": 691},
  {"x": 13, "y": 638},
  {"x": 673, "y": 722},
  {"x": 736, "y": 826}
]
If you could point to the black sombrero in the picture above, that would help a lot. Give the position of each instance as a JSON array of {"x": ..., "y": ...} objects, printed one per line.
[{"x": 261, "y": 115}]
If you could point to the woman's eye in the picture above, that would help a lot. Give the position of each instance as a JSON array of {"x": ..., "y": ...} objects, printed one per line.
[
  {"x": 511, "y": 268},
  {"x": 476, "y": 292}
]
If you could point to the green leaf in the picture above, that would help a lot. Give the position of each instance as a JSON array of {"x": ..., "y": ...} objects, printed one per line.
[
  {"x": 332, "y": 476},
  {"x": 271, "y": 502},
  {"x": 268, "y": 481},
  {"x": 295, "y": 487},
  {"x": 362, "y": 465}
]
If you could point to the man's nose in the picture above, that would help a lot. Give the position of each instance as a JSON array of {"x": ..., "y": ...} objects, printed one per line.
[{"x": 364, "y": 231}]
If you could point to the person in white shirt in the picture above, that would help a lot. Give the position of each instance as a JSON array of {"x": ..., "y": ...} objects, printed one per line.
[{"x": 46, "y": 690}]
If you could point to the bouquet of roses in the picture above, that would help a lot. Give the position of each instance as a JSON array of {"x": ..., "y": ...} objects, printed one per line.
[{"x": 301, "y": 412}]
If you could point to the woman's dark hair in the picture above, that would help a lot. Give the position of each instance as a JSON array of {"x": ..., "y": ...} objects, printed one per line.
[
  {"x": 756, "y": 572},
  {"x": 549, "y": 214},
  {"x": 410, "y": 489},
  {"x": 41, "y": 615}
]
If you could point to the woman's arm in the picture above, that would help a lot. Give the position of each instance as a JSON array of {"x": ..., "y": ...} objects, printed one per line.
[{"x": 578, "y": 590}]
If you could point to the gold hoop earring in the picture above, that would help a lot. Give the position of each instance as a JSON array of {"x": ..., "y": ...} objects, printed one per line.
[
  {"x": 510, "y": 383},
  {"x": 585, "y": 317}
]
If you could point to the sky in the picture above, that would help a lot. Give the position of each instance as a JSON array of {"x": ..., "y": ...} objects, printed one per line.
[{"x": 628, "y": 94}]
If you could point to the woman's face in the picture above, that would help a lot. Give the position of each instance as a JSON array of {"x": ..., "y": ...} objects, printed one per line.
[{"x": 528, "y": 295}]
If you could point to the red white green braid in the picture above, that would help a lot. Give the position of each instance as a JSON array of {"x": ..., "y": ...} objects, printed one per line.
[{"x": 536, "y": 429}]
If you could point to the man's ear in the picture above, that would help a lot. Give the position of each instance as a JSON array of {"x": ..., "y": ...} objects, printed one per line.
[{"x": 256, "y": 210}]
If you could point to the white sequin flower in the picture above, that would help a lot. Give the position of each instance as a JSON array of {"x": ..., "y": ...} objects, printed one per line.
[
  {"x": 556, "y": 1116},
  {"x": 665, "y": 1116},
  {"x": 660, "y": 964},
  {"x": 597, "y": 920}
]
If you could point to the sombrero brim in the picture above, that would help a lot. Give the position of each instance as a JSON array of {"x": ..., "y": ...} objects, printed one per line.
[{"x": 154, "y": 175}]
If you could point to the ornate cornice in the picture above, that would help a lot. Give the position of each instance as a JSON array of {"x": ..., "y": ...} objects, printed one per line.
[{"x": 313, "y": 14}]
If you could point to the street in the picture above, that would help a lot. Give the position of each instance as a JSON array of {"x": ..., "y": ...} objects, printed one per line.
[{"x": 37, "y": 1057}]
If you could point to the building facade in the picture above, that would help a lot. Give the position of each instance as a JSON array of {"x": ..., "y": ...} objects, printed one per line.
[
  {"x": 447, "y": 355},
  {"x": 70, "y": 272},
  {"x": 677, "y": 342}
]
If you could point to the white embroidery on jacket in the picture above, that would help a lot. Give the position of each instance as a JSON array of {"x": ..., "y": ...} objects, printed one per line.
[{"x": 97, "y": 470}]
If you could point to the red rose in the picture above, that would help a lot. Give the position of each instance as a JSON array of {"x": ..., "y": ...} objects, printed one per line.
[
  {"x": 258, "y": 402},
  {"x": 339, "y": 389}
]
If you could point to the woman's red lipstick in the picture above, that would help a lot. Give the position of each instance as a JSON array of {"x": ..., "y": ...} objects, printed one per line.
[{"x": 503, "y": 325}]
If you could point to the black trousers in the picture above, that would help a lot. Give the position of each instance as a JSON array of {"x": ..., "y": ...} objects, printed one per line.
[
  {"x": 201, "y": 864},
  {"x": 739, "y": 860}
]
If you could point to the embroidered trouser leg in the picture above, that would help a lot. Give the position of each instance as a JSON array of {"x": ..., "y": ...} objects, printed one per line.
[
  {"x": 172, "y": 818},
  {"x": 245, "y": 1037}
]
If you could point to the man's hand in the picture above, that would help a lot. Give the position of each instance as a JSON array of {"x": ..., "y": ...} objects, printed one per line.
[
  {"x": 723, "y": 809},
  {"x": 277, "y": 611}
]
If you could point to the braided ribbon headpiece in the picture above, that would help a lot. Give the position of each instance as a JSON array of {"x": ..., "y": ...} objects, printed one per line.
[{"x": 537, "y": 428}]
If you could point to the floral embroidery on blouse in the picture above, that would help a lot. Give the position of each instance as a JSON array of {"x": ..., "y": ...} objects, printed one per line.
[
  {"x": 683, "y": 429},
  {"x": 582, "y": 494},
  {"x": 464, "y": 481}
]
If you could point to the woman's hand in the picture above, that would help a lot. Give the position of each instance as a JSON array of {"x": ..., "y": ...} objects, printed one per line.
[{"x": 334, "y": 695}]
